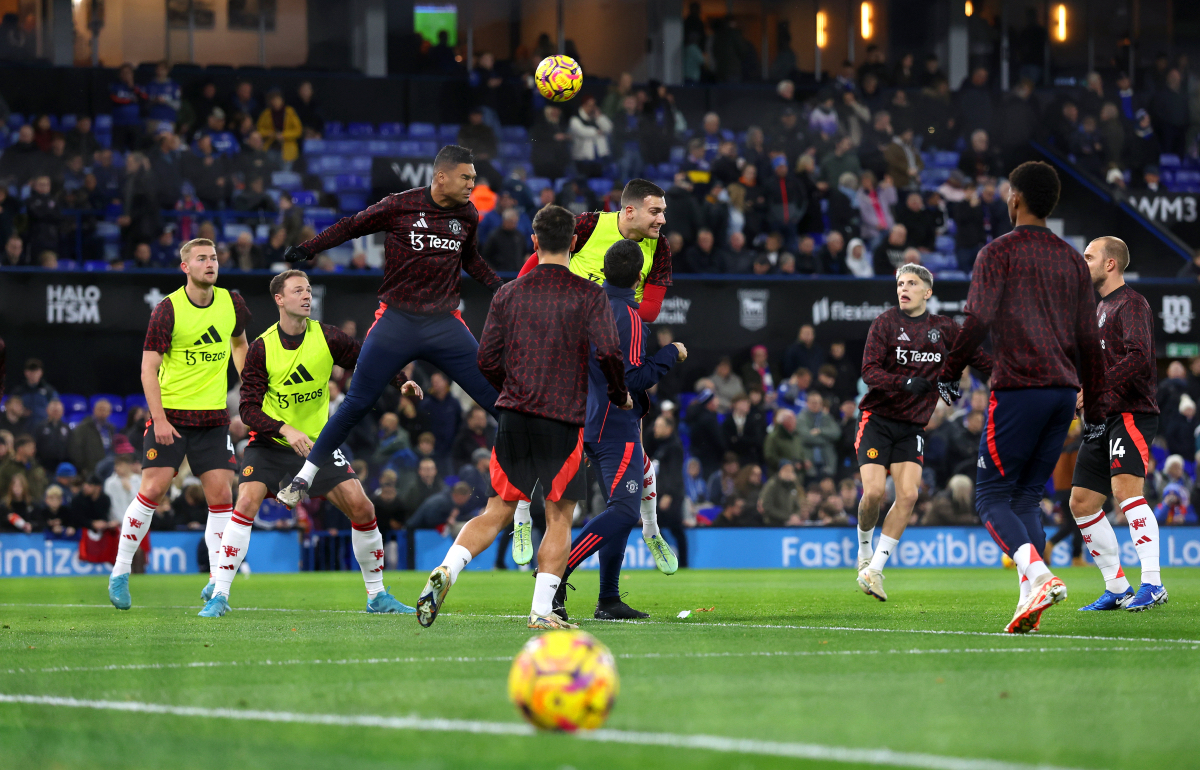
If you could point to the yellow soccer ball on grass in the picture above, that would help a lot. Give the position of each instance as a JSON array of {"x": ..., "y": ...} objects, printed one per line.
[
  {"x": 564, "y": 680},
  {"x": 558, "y": 78}
]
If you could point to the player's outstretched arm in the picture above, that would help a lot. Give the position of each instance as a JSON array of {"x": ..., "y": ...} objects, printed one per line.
[
  {"x": 983, "y": 302},
  {"x": 374, "y": 219},
  {"x": 602, "y": 333},
  {"x": 164, "y": 432}
]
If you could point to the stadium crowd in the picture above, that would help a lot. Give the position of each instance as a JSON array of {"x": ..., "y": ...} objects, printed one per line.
[{"x": 879, "y": 166}]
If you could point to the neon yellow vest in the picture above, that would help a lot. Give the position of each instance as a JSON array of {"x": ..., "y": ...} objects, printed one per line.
[
  {"x": 193, "y": 371},
  {"x": 588, "y": 262},
  {"x": 298, "y": 381}
]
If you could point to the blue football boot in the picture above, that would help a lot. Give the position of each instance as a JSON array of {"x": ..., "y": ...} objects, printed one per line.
[
  {"x": 207, "y": 592},
  {"x": 216, "y": 607},
  {"x": 118, "y": 591},
  {"x": 386, "y": 603},
  {"x": 1147, "y": 596},
  {"x": 1110, "y": 601}
]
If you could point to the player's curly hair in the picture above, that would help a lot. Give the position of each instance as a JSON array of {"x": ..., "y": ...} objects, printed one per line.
[
  {"x": 1039, "y": 186},
  {"x": 623, "y": 264}
]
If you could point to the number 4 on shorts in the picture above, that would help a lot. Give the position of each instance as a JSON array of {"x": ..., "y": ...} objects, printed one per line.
[{"x": 1115, "y": 449}]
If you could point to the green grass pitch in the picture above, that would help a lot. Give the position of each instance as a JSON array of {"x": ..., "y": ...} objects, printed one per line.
[{"x": 795, "y": 664}]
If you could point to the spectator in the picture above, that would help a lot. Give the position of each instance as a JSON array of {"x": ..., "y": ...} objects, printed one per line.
[
  {"x": 858, "y": 260},
  {"x": 253, "y": 161},
  {"x": 590, "y": 130},
  {"x": 722, "y": 483},
  {"x": 783, "y": 442},
  {"x": 876, "y": 139},
  {"x": 703, "y": 256},
  {"x": 23, "y": 462},
  {"x": 477, "y": 474},
  {"x": 628, "y": 134},
  {"x": 507, "y": 246},
  {"x": 122, "y": 486},
  {"x": 446, "y": 508},
  {"x": 739, "y": 258},
  {"x": 1088, "y": 148},
  {"x": 786, "y": 200},
  {"x": 208, "y": 172},
  {"x": 756, "y": 375},
  {"x": 280, "y": 127},
  {"x": 21, "y": 159},
  {"x": 92, "y": 439},
  {"x": 17, "y": 419},
  {"x": 195, "y": 110},
  {"x": 875, "y": 204},
  {"x": 476, "y": 433},
  {"x": 780, "y": 499},
  {"x": 126, "y": 99},
  {"x": 1065, "y": 125},
  {"x": 1019, "y": 121},
  {"x": 804, "y": 352},
  {"x": 969, "y": 235},
  {"x": 254, "y": 197},
  {"x": 80, "y": 140},
  {"x": 163, "y": 99},
  {"x": 733, "y": 514},
  {"x": 938, "y": 121},
  {"x": 1176, "y": 507},
  {"x": 726, "y": 384},
  {"x": 224, "y": 142},
  {"x": 1169, "y": 110},
  {"x": 726, "y": 166},
  {"x": 478, "y": 136},
  {"x": 1112, "y": 135},
  {"x": 919, "y": 222},
  {"x": 242, "y": 101},
  {"x": 1179, "y": 428},
  {"x": 16, "y": 504},
  {"x": 141, "y": 220},
  {"x": 889, "y": 254},
  {"x": 694, "y": 486},
  {"x": 841, "y": 160},
  {"x": 844, "y": 215},
  {"x": 425, "y": 484},
  {"x": 954, "y": 506},
  {"x": 550, "y": 152},
  {"x": 445, "y": 416},
  {"x": 819, "y": 433},
  {"x": 744, "y": 431},
  {"x": 683, "y": 211},
  {"x": 975, "y": 103},
  {"x": 775, "y": 255},
  {"x": 89, "y": 509},
  {"x": 697, "y": 168},
  {"x": 904, "y": 163},
  {"x": 52, "y": 512},
  {"x": 52, "y": 436},
  {"x": 44, "y": 215},
  {"x": 35, "y": 392},
  {"x": 308, "y": 110},
  {"x": 823, "y": 120},
  {"x": 980, "y": 161},
  {"x": 707, "y": 442},
  {"x": 831, "y": 259},
  {"x": 748, "y": 484},
  {"x": 666, "y": 450}
]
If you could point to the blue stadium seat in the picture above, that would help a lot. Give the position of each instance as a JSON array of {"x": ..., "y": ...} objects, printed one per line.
[
  {"x": 600, "y": 186},
  {"x": 232, "y": 230},
  {"x": 938, "y": 262},
  {"x": 73, "y": 403},
  {"x": 536, "y": 184},
  {"x": 945, "y": 159},
  {"x": 15, "y": 120},
  {"x": 315, "y": 146},
  {"x": 103, "y": 122},
  {"x": 422, "y": 130},
  {"x": 448, "y": 132},
  {"x": 135, "y": 400},
  {"x": 513, "y": 133},
  {"x": 285, "y": 180},
  {"x": 951, "y": 275},
  {"x": 304, "y": 198},
  {"x": 340, "y": 183},
  {"x": 358, "y": 163},
  {"x": 409, "y": 148},
  {"x": 667, "y": 170},
  {"x": 119, "y": 419},
  {"x": 118, "y": 403},
  {"x": 678, "y": 154},
  {"x": 932, "y": 177},
  {"x": 945, "y": 244},
  {"x": 428, "y": 148},
  {"x": 1169, "y": 161},
  {"x": 352, "y": 201},
  {"x": 104, "y": 139},
  {"x": 67, "y": 122},
  {"x": 514, "y": 150},
  {"x": 360, "y": 129},
  {"x": 664, "y": 183},
  {"x": 391, "y": 129},
  {"x": 95, "y": 266},
  {"x": 334, "y": 129},
  {"x": 68, "y": 265}
]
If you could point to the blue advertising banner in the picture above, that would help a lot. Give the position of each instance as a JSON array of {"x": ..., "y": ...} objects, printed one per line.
[{"x": 171, "y": 553}]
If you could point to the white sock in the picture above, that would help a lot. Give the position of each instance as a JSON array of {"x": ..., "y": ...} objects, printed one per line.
[
  {"x": 1025, "y": 587},
  {"x": 649, "y": 507},
  {"x": 522, "y": 516},
  {"x": 456, "y": 559},
  {"x": 134, "y": 527},
  {"x": 308, "y": 472},
  {"x": 1029, "y": 563},
  {"x": 543, "y": 593},
  {"x": 1101, "y": 541},
  {"x": 218, "y": 517},
  {"x": 1143, "y": 528},
  {"x": 235, "y": 541},
  {"x": 887, "y": 545},
  {"x": 864, "y": 544},
  {"x": 367, "y": 541}
]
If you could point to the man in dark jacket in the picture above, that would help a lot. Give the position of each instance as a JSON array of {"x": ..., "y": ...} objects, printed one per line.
[
  {"x": 52, "y": 437},
  {"x": 92, "y": 439},
  {"x": 707, "y": 443},
  {"x": 475, "y": 434},
  {"x": 744, "y": 431},
  {"x": 35, "y": 392},
  {"x": 551, "y": 147}
]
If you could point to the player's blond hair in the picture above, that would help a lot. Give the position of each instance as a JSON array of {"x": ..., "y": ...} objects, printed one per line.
[
  {"x": 1114, "y": 248},
  {"x": 186, "y": 248}
]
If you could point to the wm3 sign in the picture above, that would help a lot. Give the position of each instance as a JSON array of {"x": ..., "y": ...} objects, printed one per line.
[{"x": 1179, "y": 212}]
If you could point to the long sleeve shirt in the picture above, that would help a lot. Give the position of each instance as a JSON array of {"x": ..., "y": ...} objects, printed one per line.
[
  {"x": 1034, "y": 293},
  {"x": 1127, "y": 336},
  {"x": 541, "y": 331},
  {"x": 426, "y": 249}
]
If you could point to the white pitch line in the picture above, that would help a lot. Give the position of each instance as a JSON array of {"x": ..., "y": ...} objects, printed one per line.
[
  {"x": 717, "y": 743},
  {"x": 702, "y": 624},
  {"x": 507, "y": 659}
]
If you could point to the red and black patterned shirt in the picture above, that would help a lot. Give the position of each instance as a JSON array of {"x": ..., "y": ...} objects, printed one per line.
[
  {"x": 537, "y": 340},
  {"x": 1130, "y": 369},
  {"x": 427, "y": 248},
  {"x": 158, "y": 340},
  {"x": 901, "y": 346},
  {"x": 3, "y": 356},
  {"x": 1034, "y": 292},
  {"x": 263, "y": 427}
]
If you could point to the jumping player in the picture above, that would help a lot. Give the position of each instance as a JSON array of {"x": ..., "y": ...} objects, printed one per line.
[
  {"x": 905, "y": 351},
  {"x": 431, "y": 239},
  {"x": 535, "y": 347},
  {"x": 613, "y": 443},
  {"x": 641, "y": 218},
  {"x": 1034, "y": 292},
  {"x": 285, "y": 403},
  {"x": 185, "y": 361},
  {"x": 1114, "y": 457}
]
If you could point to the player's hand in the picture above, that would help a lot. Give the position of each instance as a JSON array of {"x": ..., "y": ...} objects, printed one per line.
[
  {"x": 950, "y": 391},
  {"x": 1079, "y": 401},
  {"x": 682, "y": 352},
  {"x": 296, "y": 254},
  {"x": 918, "y": 386},
  {"x": 300, "y": 443},
  {"x": 628, "y": 401},
  {"x": 411, "y": 388},
  {"x": 1092, "y": 433},
  {"x": 164, "y": 432}
]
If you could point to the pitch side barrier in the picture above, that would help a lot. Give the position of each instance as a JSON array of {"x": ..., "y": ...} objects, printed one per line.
[{"x": 88, "y": 327}]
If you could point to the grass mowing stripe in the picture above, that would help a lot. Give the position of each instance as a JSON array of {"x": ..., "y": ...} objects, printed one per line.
[
  {"x": 718, "y": 743},
  {"x": 624, "y": 656}
]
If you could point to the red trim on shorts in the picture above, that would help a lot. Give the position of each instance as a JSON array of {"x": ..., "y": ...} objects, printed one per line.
[
  {"x": 996, "y": 536},
  {"x": 862, "y": 425},
  {"x": 501, "y": 485},
  {"x": 1134, "y": 503},
  {"x": 379, "y": 311},
  {"x": 458, "y": 314},
  {"x": 1139, "y": 440},
  {"x": 991, "y": 436},
  {"x": 373, "y": 524},
  {"x": 1087, "y": 524},
  {"x": 566, "y": 473},
  {"x": 624, "y": 466}
]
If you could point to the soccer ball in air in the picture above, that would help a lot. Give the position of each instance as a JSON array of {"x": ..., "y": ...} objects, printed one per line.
[
  {"x": 564, "y": 680},
  {"x": 558, "y": 78}
]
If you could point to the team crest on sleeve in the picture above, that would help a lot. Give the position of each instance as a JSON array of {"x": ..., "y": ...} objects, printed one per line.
[
  {"x": 151, "y": 454},
  {"x": 455, "y": 227},
  {"x": 934, "y": 335}
]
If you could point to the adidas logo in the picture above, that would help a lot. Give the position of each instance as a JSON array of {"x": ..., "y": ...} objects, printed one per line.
[
  {"x": 1116, "y": 463},
  {"x": 980, "y": 463},
  {"x": 1143, "y": 540},
  {"x": 421, "y": 222},
  {"x": 903, "y": 337},
  {"x": 299, "y": 376},
  {"x": 209, "y": 337}
]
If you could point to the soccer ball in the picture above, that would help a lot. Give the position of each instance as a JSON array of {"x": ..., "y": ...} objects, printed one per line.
[
  {"x": 558, "y": 78},
  {"x": 564, "y": 680}
]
